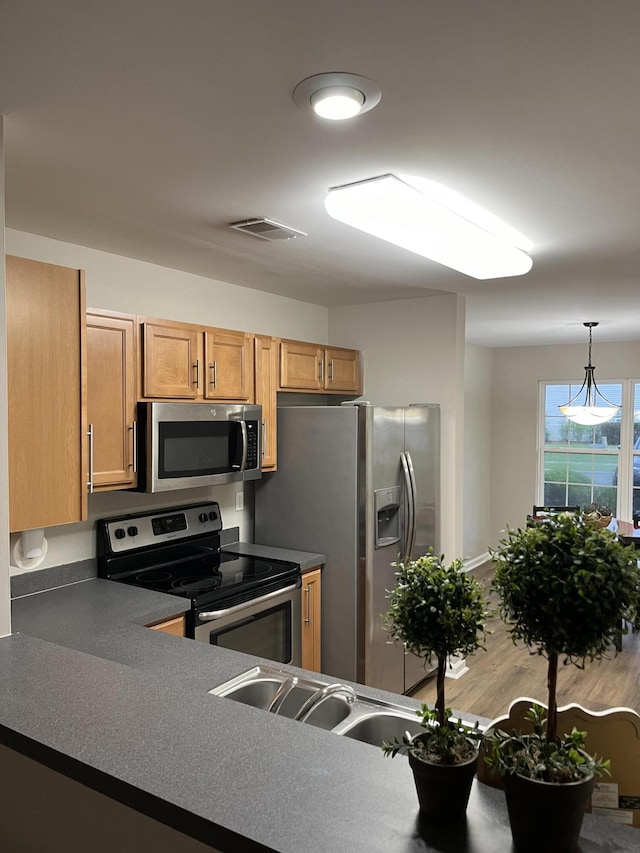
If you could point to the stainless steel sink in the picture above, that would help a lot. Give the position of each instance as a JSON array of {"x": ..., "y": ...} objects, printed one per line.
[
  {"x": 376, "y": 727},
  {"x": 337, "y": 708},
  {"x": 258, "y": 687}
]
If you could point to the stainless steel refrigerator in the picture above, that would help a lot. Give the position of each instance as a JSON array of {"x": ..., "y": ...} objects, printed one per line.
[{"x": 360, "y": 484}]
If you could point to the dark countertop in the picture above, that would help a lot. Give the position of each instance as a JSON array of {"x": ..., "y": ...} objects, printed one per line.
[
  {"x": 86, "y": 689},
  {"x": 306, "y": 560}
]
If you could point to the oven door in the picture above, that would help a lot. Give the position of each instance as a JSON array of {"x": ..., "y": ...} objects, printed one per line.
[{"x": 268, "y": 626}]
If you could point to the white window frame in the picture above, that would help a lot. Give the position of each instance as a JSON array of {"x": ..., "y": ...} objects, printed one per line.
[{"x": 624, "y": 504}]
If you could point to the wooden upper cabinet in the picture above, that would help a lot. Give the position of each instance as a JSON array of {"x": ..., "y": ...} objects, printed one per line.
[
  {"x": 170, "y": 363},
  {"x": 111, "y": 398},
  {"x": 185, "y": 362},
  {"x": 266, "y": 393},
  {"x": 301, "y": 366},
  {"x": 47, "y": 415},
  {"x": 342, "y": 370},
  {"x": 228, "y": 357},
  {"x": 310, "y": 367}
]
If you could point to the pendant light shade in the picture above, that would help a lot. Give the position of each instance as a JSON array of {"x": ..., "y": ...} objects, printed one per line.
[{"x": 589, "y": 406}]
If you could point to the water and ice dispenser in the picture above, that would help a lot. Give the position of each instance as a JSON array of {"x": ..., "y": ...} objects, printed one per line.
[{"x": 387, "y": 510}]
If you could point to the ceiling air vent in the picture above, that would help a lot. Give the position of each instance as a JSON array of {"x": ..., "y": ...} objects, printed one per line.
[{"x": 267, "y": 229}]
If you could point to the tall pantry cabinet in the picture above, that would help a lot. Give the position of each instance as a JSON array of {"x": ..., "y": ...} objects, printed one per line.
[{"x": 48, "y": 447}]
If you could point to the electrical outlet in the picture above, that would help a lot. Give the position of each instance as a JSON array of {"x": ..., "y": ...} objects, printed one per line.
[{"x": 239, "y": 501}]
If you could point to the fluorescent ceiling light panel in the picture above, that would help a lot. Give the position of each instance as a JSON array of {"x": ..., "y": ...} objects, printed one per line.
[{"x": 427, "y": 218}]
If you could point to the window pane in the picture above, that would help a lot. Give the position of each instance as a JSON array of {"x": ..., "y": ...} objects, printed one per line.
[
  {"x": 580, "y": 478},
  {"x": 561, "y": 432}
]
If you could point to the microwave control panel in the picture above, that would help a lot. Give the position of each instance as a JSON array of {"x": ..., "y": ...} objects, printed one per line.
[{"x": 252, "y": 445}]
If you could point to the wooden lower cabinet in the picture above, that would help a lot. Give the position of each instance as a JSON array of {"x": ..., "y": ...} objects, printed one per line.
[
  {"x": 311, "y": 620},
  {"x": 47, "y": 407},
  {"x": 173, "y": 626},
  {"x": 111, "y": 398}
]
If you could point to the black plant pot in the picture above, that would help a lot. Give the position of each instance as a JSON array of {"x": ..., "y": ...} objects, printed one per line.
[
  {"x": 546, "y": 815},
  {"x": 443, "y": 789}
]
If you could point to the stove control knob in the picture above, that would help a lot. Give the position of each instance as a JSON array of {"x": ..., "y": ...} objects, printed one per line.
[
  {"x": 213, "y": 515},
  {"x": 132, "y": 531},
  {"x": 120, "y": 534},
  {"x": 203, "y": 516}
]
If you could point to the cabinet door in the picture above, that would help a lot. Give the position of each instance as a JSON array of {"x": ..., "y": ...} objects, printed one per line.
[
  {"x": 301, "y": 366},
  {"x": 47, "y": 424},
  {"x": 229, "y": 365},
  {"x": 342, "y": 370},
  {"x": 111, "y": 398},
  {"x": 266, "y": 388},
  {"x": 311, "y": 616},
  {"x": 170, "y": 361}
]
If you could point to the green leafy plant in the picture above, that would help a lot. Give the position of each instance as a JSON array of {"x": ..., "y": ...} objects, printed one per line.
[
  {"x": 566, "y": 587},
  {"x": 451, "y": 743},
  {"x": 436, "y": 610},
  {"x": 533, "y": 756}
]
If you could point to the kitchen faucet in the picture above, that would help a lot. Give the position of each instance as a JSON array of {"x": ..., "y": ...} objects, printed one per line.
[{"x": 323, "y": 693}]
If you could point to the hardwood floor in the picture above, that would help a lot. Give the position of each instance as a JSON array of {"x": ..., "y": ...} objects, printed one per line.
[{"x": 505, "y": 671}]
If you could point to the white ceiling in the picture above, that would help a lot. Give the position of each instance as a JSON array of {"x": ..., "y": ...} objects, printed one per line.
[{"x": 144, "y": 127}]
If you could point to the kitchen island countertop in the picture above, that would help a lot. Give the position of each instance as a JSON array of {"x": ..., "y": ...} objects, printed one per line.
[{"x": 87, "y": 690}]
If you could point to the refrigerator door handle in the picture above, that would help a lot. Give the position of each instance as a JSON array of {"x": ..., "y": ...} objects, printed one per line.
[
  {"x": 414, "y": 502},
  {"x": 410, "y": 508}
]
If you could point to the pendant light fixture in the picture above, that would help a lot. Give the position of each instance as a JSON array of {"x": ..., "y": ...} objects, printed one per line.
[{"x": 594, "y": 408}]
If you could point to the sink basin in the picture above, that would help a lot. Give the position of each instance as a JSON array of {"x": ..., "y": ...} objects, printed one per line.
[
  {"x": 364, "y": 719},
  {"x": 258, "y": 687},
  {"x": 380, "y": 726}
]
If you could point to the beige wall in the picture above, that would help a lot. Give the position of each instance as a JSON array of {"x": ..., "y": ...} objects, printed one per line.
[
  {"x": 516, "y": 376},
  {"x": 414, "y": 353},
  {"x": 478, "y": 378}
]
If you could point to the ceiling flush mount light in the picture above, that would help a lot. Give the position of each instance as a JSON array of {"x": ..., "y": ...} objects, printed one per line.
[
  {"x": 594, "y": 408},
  {"x": 431, "y": 220},
  {"x": 337, "y": 95}
]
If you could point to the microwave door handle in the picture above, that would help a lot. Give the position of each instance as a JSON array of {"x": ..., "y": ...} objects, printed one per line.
[
  {"x": 228, "y": 611},
  {"x": 243, "y": 431}
]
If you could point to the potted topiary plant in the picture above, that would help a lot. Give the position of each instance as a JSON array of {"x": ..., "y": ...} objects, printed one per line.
[
  {"x": 564, "y": 588},
  {"x": 438, "y": 610}
]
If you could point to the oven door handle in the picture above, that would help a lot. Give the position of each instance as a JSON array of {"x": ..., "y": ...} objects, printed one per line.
[{"x": 218, "y": 614}]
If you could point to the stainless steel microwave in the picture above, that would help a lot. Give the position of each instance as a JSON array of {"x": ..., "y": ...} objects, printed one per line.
[{"x": 182, "y": 445}]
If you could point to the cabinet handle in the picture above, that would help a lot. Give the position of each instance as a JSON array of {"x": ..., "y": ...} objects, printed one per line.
[
  {"x": 134, "y": 442},
  {"x": 90, "y": 481},
  {"x": 308, "y": 591},
  {"x": 321, "y": 370},
  {"x": 331, "y": 370},
  {"x": 196, "y": 367},
  {"x": 214, "y": 369},
  {"x": 264, "y": 439}
]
